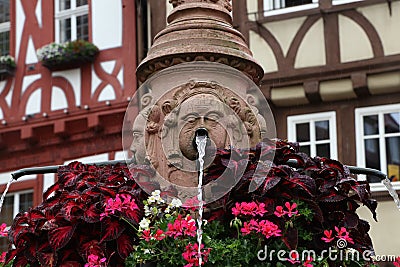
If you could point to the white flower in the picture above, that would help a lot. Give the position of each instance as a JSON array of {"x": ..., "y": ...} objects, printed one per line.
[
  {"x": 175, "y": 203},
  {"x": 167, "y": 210},
  {"x": 147, "y": 210},
  {"x": 156, "y": 193},
  {"x": 144, "y": 224},
  {"x": 151, "y": 199},
  {"x": 155, "y": 197},
  {"x": 147, "y": 251}
]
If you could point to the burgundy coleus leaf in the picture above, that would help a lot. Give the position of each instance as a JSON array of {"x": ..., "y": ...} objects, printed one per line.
[
  {"x": 331, "y": 196},
  {"x": 76, "y": 165},
  {"x": 68, "y": 179},
  {"x": 11, "y": 254},
  {"x": 52, "y": 189},
  {"x": 350, "y": 220},
  {"x": 133, "y": 216},
  {"x": 47, "y": 259},
  {"x": 362, "y": 191},
  {"x": 73, "y": 210},
  {"x": 60, "y": 236},
  {"x": 70, "y": 264},
  {"x": 113, "y": 229},
  {"x": 304, "y": 182},
  {"x": 336, "y": 216},
  {"x": 141, "y": 171},
  {"x": 291, "y": 238},
  {"x": 91, "y": 247},
  {"x": 258, "y": 175},
  {"x": 125, "y": 244},
  {"x": 20, "y": 261},
  {"x": 215, "y": 214},
  {"x": 115, "y": 178},
  {"x": 31, "y": 250},
  {"x": 108, "y": 191},
  {"x": 269, "y": 183},
  {"x": 300, "y": 159},
  {"x": 236, "y": 167},
  {"x": 336, "y": 165},
  {"x": 91, "y": 214}
]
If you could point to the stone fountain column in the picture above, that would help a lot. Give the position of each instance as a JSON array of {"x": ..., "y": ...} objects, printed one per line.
[
  {"x": 198, "y": 75},
  {"x": 200, "y": 30}
]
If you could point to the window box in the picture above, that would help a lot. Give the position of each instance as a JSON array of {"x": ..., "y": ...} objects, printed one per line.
[
  {"x": 67, "y": 55},
  {"x": 7, "y": 67}
]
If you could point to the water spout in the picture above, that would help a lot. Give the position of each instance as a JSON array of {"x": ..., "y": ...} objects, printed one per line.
[
  {"x": 201, "y": 143},
  {"x": 392, "y": 191},
  {"x": 5, "y": 192}
]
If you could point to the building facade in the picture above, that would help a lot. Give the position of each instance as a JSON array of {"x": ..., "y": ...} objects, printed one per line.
[
  {"x": 332, "y": 79},
  {"x": 51, "y": 117}
]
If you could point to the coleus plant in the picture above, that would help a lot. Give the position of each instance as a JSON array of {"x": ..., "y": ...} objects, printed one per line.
[
  {"x": 91, "y": 214},
  {"x": 72, "y": 223}
]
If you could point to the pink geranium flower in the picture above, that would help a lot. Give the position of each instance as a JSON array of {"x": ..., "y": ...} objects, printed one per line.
[
  {"x": 249, "y": 208},
  {"x": 328, "y": 236},
  {"x": 248, "y": 227},
  {"x": 279, "y": 211},
  {"x": 342, "y": 233},
  {"x": 95, "y": 261},
  {"x": 308, "y": 262},
  {"x": 397, "y": 262},
  {"x": 159, "y": 235},
  {"x": 191, "y": 254},
  {"x": 291, "y": 209},
  {"x": 3, "y": 231},
  {"x": 121, "y": 203},
  {"x": 3, "y": 257},
  {"x": 146, "y": 235},
  {"x": 269, "y": 229},
  {"x": 180, "y": 227}
]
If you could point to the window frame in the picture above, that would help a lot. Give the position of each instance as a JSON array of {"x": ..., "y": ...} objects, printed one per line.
[
  {"x": 342, "y": 2},
  {"x": 283, "y": 10},
  {"x": 6, "y": 27},
  {"x": 360, "y": 137},
  {"x": 16, "y": 195},
  {"x": 71, "y": 13},
  {"x": 311, "y": 118}
]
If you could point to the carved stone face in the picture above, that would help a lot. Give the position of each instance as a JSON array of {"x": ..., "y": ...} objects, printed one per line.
[
  {"x": 138, "y": 147},
  {"x": 201, "y": 111}
]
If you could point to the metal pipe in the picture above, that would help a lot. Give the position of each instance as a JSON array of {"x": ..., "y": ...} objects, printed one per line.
[
  {"x": 293, "y": 163},
  {"x": 53, "y": 169},
  {"x": 353, "y": 170}
]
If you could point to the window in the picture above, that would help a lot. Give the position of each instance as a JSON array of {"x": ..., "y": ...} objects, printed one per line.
[
  {"x": 279, "y": 4},
  {"x": 316, "y": 133},
  {"x": 339, "y": 2},
  {"x": 4, "y": 27},
  {"x": 13, "y": 204},
  {"x": 378, "y": 140},
  {"x": 72, "y": 20}
]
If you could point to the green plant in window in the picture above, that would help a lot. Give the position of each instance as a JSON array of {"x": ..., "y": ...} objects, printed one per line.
[
  {"x": 8, "y": 61},
  {"x": 55, "y": 54}
]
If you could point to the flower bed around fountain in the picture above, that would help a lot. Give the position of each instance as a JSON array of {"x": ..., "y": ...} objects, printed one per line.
[{"x": 99, "y": 216}]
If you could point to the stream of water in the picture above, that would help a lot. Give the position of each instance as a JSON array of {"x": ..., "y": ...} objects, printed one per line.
[
  {"x": 201, "y": 142},
  {"x": 392, "y": 191},
  {"x": 5, "y": 193}
]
